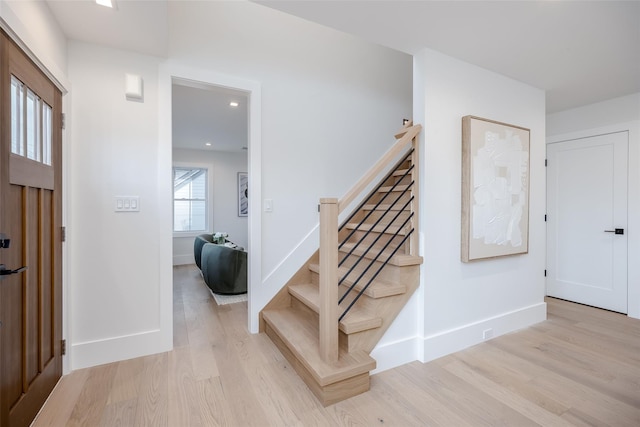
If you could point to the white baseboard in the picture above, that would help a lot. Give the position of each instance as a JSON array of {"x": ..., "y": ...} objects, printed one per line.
[
  {"x": 395, "y": 354},
  {"x": 441, "y": 344},
  {"x": 99, "y": 352},
  {"x": 183, "y": 259},
  {"x": 438, "y": 345}
]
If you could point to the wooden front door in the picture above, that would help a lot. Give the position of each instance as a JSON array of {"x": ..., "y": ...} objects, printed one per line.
[{"x": 30, "y": 223}]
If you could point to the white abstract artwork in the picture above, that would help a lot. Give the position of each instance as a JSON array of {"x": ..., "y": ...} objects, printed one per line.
[{"x": 495, "y": 189}]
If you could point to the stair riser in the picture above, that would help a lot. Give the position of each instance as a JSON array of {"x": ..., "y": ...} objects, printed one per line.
[
  {"x": 299, "y": 305},
  {"x": 362, "y": 301},
  {"x": 382, "y": 241},
  {"x": 388, "y": 216},
  {"x": 315, "y": 279},
  {"x": 398, "y": 179},
  {"x": 390, "y": 199},
  {"x": 386, "y": 274},
  {"x": 390, "y": 272},
  {"x": 402, "y": 169},
  {"x": 374, "y": 290},
  {"x": 400, "y": 258},
  {"x": 353, "y": 342}
]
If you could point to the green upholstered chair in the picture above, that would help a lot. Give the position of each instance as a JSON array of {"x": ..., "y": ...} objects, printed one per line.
[
  {"x": 198, "y": 243},
  {"x": 224, "y": 269}
]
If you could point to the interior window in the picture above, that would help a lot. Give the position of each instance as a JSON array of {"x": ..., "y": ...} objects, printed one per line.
[{"x": 189, "y": 199}]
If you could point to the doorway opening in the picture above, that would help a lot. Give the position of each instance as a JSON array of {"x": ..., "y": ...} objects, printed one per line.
[
  {"x": 207, "y": 80},
  {"x": 209, "y": 155}
]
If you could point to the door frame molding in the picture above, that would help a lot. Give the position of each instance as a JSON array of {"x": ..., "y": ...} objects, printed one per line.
[
  {"x": 633, "y": 201},
  {"x": 173, "y": 70}
]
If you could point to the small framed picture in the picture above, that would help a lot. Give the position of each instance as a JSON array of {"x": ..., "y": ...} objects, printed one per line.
[{"x": 243, "y": 194}]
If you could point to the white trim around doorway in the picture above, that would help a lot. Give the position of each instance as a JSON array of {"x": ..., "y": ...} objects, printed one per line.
[{"x": 169, "y": 71}]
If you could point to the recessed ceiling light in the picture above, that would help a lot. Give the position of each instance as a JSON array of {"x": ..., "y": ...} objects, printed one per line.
[
  {"x": 106, "y": 3},
  {"x": 233, "y": 104},
  {"x": 208, "y": 144}
]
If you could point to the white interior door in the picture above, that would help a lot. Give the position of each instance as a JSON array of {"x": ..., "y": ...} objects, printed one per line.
[{"x": 587, "y": 220}]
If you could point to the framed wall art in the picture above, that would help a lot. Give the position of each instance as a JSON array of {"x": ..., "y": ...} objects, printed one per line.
[
  {"x": 495, "y": 189},
  {"x": 243, "y": 194}
]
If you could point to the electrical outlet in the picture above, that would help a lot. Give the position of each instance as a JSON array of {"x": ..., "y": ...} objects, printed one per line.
[{"x": 487, "y": 333}]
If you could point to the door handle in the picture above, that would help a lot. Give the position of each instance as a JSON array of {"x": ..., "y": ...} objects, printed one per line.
[
  {"x": 4, "y": 271},
  {"x": 616, "y": 231}
]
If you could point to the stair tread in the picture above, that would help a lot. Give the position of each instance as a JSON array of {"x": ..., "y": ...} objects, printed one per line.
[
  {"x": 300, "y": 334},
  {"x": 400, "y": 172},
  {"x": 398, "y": 259},
  {"x": 394, "y": 229},
  {"x": 356, "y": 320},
  {"x": 391, "y": 188},
  {"x": 379, "y": 288},
  {"x": 385, "y": 207}
]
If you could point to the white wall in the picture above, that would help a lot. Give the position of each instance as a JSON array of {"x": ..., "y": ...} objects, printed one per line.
[
  {"x": 330, "y": 106},
  {"x": 224, "y": 168},
  {"x": 619, "y": 114},
  {"x": 610, "y": 112},
  {"x": 458, "y": 301},
  {"x": 118, "y": 306}
]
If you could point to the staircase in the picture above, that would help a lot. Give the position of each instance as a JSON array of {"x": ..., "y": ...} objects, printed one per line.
[{"x": 334, "y": 310}]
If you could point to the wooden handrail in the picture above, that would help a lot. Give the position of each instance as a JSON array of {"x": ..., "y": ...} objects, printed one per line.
[{"x": 394, "y": 151}]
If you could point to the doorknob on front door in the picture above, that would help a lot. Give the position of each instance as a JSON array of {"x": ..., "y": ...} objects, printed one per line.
[
  {"x": 4, "y": 271},
  {"x": 616, "y": 231}
]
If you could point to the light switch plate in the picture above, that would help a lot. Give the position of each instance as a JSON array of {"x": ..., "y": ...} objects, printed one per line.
[{"x": 127, "y": 204}]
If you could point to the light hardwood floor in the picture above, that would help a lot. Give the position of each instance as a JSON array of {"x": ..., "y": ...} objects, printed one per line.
[{"x": 581, "y": 367}]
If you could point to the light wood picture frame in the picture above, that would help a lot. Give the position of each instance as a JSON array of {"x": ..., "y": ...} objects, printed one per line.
[
  {"x": 495, "y": 189},
  {"x": 243, "y": 194}
]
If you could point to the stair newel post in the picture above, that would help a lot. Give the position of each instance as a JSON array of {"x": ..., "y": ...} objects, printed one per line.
[
  {"x": 415, "y": 175},
  {"x": 329, "y": 279}
]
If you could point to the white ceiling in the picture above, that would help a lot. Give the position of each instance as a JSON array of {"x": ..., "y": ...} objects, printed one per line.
[
  {"x": 202, "y": 114},
  {"x": 580, "y": 52},
  {"x": 140, "y": 26}
]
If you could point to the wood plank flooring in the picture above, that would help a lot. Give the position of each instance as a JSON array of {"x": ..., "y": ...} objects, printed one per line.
[{"x": 579, "y": 368}]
